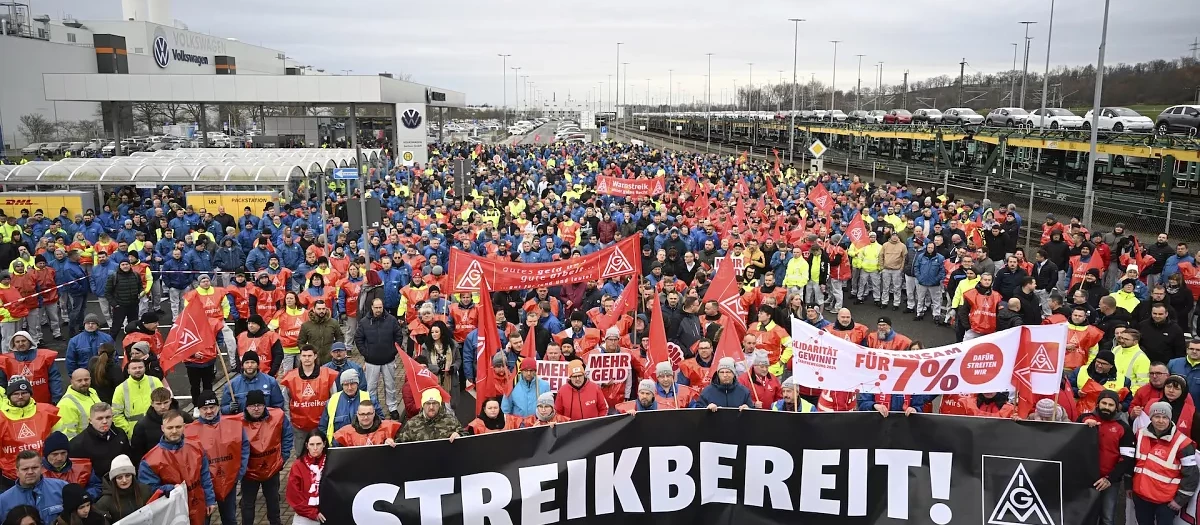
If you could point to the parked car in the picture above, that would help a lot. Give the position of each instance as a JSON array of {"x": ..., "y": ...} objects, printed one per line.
[
  {"x": 877, "y": 115},
  {"x": 927, "y": 116},
  {"x": 961, "y": 117},
  {"x": 859, "y": 116},
  {"x": 76, "y": 148},
  {"x": 1118, "y": 120},
  {"x": 1184, "y": 118},
  {"x": 1010, "y": 117},
  {"x": 110, "y": 149},
  {"x": 92, "y": 147},
  {"x": 898, "y": 116},
  {"x": 838, "y": 115},
  {"x": 32, "y": 149},
  {"x": 1054, "y": 118}
]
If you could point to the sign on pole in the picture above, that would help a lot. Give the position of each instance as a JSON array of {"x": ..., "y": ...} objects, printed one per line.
[
  {"x": 604, "y": 132},
  {"x": 817, "y": 149},
  {"x": 345, "y": 174}
]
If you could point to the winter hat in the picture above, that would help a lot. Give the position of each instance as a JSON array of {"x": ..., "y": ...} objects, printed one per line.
[
  {"x": 612, "y": 332},
  {"x": 21, "y": 333},
  {"x": 121, "y": 465},
  {"x": 1094, "y": 272},
  {"x": 575, "y": 367},
  {"x": 646, "y": 385},
  {"x": 91, "y": 318},
  {"x": 142, "y": 347},
  {"x": 18, "y": 384},
  {"x": 790, "y": 382},
  {"x": 256, "y": 319},
  {"x": 350, "y": 375},
  {"x": 1178, "y": 381},
  {"x": 73, "y": 497},
  {"x": 54, "y": 442},
  {"x": 149, "y": 317},
  {"x": 663, "y": 368},
  {"x": 1109, "y": 394},
  {"x": 1129, "y": 282},
  {"x": 835, "y": 238},
  {"x": 546, "y": 399},
  {"x": 1106, "y": 356},
  {"x": 1132, "y": 268},
  {"x": 431, "y": 395},
  {"x": 726, "y": 363},
  {"x": 1160, "y": 408},
  {"x": 885, "y": 320},
  {"x": 250, "y": 356},
  {"x": 761, "y": 358},
  {"x": 206, "y": 398},
  {"x": 499, "y": 359},
  {"x": 529, "y": 364},
  {"x": 1045, "y": 409},
  {"x": 255, "y": 397}
]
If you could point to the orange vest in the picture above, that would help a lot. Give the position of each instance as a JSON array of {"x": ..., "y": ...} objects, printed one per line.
[
  {"x": 351, "y": 289},
  {"x": 955, "y": 404},
  {"x": 266, "y": 302},
  {"x": 211, "y": 302},
  {"x": 898, "y": 342},
  {"x": 241, "y": 299},
  {"x": 260, "y": 345},
  {"x": 698, "y": 376},
  {"x": 464, "y": 319},
  {"x": 155, "y": 341},
  {"x": 223, "y": 443},
  {"x": 24, "y": 434},
  {"x": 266, "y": 441},
  {"x": 510, "y": 422},
  {"x": 684, "y": 395},
  {"x": 11, "y": 297},
  {"x": 328, "y": 294},
  {"x": 983, "y": 310},
  {"x": 854, "y": 335},
  {"x": 770, "y": 340},
  {"x": 308, "y": 397},
  {"x": 1004, "y": 411},
  {"x": 1157, "y": 472},
  {"x": 80, "y": 472},
  {"x": 348, "y": 436},
  {"x": 289, "y": 327},
  {"x": 36, "y": 371},
  {"x": 182, "y": 466},
  {"x": 629, "y": 407}
]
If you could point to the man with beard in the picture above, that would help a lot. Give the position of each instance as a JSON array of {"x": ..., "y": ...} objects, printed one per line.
[
  {"x": 1100, "y": 375},
  {"x": 645, "y": 399},
  {"x": 434, "y": 421},
  {"x": 1116, "y": 458},
  {"x": 228, "y": 449},
  {"x": 697, "y": 372},
  {"x": 233, "y": 396}
]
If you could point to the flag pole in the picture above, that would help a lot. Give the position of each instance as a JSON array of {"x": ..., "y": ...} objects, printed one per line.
[{"x": 225, "y": 367}]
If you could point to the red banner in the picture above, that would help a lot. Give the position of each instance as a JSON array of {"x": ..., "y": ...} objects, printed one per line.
[
  {"x": 821, "y": 199},
  {"x": 619, "y": 187},
  {"x": 470, "y": 271}
]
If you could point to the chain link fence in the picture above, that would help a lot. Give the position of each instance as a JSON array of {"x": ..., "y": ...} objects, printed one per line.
[{"x": 1034, "y": 197}]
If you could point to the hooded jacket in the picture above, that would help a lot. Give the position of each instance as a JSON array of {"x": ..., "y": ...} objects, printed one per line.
[
  {"x": 115, "y": 504},
  {"x": 522, "y": 401},
  {"x": 582, "y": 402},
  {"x": 229, "y": 256},
  {"x": 321, "y": 332}
]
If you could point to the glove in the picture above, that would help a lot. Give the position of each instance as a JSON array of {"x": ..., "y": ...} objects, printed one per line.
[{"x": 234, "y": 407}]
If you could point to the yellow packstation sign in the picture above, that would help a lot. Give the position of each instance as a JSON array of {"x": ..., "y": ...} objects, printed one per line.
[{"x": 233, "y": 201}]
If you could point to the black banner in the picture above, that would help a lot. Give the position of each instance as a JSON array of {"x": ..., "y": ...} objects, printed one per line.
[{"x": 692, "y": 467}]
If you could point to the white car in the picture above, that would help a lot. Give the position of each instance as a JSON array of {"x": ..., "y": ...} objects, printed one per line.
[
  {"x": 1009, "y": 117},
  {"x": 1054, "y": 118},
  {"x": 1118, "y": 120}
]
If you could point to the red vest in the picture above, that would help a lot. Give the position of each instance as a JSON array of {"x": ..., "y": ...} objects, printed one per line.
[
  {"x": 155, "y": 341},
  {"x": 328, "y": 294},
  {"x": 769, "y": 339},
  {"x": 854, "y": 335},
  {"x": 80, "y": 472},
  {"x": 223, "y": 444},
  {"x": 266, "y": 438},
  {"x": 983, "y": 310},
  {"x": 1157, "y": 473},
  {"x": 211, "y": 302},
  {"x": 464, "y": 319},
  {"x": 348, "y": 436},
  {"x": 898, "y": 342},
  {"x": 289, "y": 327},
  {"x": 36, "y": 371},
  {"x": 698, "y": 376},
  {"x": 835, "y": 401},
  {"x": 955, "y": 404},
  {"x": 266, "y": 302},
  {"x": 241, "y": 299},
  {"x": 510, "y": 422},
  {"x": 308, "y": 397},
  {"x": 182, "y": 466},
  {"x": 684, "y": 395},
  {"x": 351, "y": 289},
  {"x": 533, "y": 421},
  {"x": 260, "y": 345}
]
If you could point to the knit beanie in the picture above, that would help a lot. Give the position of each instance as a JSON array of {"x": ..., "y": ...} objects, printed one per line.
[{"x": 1160, "y": 408}]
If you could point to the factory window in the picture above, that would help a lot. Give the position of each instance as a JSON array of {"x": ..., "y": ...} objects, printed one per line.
[{"x": 71, "y": 37}]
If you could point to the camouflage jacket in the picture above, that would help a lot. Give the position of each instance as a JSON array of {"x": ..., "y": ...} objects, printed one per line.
[{"x": 421, "y": 428}]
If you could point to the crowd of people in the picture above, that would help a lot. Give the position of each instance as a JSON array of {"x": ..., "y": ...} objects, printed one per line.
[{"x": 318, "y": 325}]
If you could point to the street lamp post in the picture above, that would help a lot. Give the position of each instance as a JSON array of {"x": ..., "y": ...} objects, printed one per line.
[
  {"x": 858, "y": 90},
  {"x": 795, "y": 56},
  {"x": 670, "y": 82},
  {"x": 1046, "y": 75},
  {"x": 878, "y": 84},
  {"x": 617, "y": 101},
  {"x": 504, "y": 84},
  {"x": 750, "y": 89},
  {"x": 1012, "y": 90},
  {"x": 1088, "y": 192},
  {"x": 1025, "y": 67},
  {"x": 833, "y": 84},
  {"x": 708, "y": 103},
  {"x": 516, "y": 101}
]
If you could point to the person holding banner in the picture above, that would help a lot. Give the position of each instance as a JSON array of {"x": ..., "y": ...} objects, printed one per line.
[
  {"x": 670, "y": 394},
  {"x": 492, "y": 419},
  {"x": 763, "y": 385},
  {"x": 522, "y": 400},
  {"x": 434, "y": 421},
  {"x": 580, "y": 398},
  {"x": 887, "y": 403},
  {"x": 342, "y": 407},
  {"x": 645, "y": 399},
  {"x": 845, "y": 328},
  {"x": 303, "y": 491},
  {"x": 1165, "y": 476},
  {"x": 696, "y": 372},
  {"x": 884, "y": 338},
  {"x": 791, "y": 401},
  {"x": 726, "y": 391},
  {"x": 367, "y": 428},
  {"x": 545, "y": 414},
  {"x": 175, "y": 460}
]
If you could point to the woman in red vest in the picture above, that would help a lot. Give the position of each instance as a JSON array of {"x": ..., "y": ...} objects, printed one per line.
[
  {"x": 545, "y": 414},
  {"x": 287, "y": 323},
  {"x": 176, "y": 460},
  {"x": 491, "y": 419}
]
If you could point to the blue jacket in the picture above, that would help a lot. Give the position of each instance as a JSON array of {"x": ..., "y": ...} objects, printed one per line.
[
  {"x": 83, "y": 347},
  {"x": 866, "y": 402},
  {"x": 289, "y": 256},
  {"x": 239, "y": 385},
  {"x": 56, "y": 383},
  {"x": 391, "y": 288},
  {"x": 93, "y": 487},
  {"x": 347, "y": 407},
  {"x": 175, "y": 273},
  {"x": 68, "y": 272},
  {"x": 148, "y": 476},
  {"x": 351, "y": 365},
  {"x": 199, "y": 261},
  {"x": 99, "y": 276},
  {"x": 726, "y": 396},
  {"x": 229, "y": 258},
  {"x": 92, "y": 231},
  {"x": 1180, "y": 366},
  {"x": 46, "y": 497},
  {"x": 1171, "y": 267},
  {"x": 523, "y": 399},
  {"x": 929, "y": 271},
  {"x": 245, "y": 443},
  {"x": 258, "y": 258}
]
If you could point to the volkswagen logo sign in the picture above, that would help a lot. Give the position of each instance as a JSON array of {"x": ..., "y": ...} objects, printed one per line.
[
  {"x": 411, "y": 119},
  {"x": 162, "y": 54}
]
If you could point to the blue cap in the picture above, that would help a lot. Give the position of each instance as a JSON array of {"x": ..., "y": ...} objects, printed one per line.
[{"x": 339, "y": 346}]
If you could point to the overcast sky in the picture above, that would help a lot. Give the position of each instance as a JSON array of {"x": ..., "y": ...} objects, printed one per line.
[{"x": 571, "y": 45}]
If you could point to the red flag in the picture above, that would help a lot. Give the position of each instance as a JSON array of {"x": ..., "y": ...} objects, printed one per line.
[
  {"x": 729, "y": 344},
  {"x": 821, "y": 199},
  {"x": 975, "y": 238},
  {"x": 419, "y": 378},
  {"x": 478, "y": 150},
  {"x": 739, "y": 213},
  {"x": 623, "y": 304},
  {"x": 529, "y": 347},
  {"x": 489, "y": 335},
  {"x": 702, "y": 205},
  {"x": 658, "y": 334},
  {"x": 1022, "y": 374},
  {"x": 725, "y": 291},
  {"x": 743, "y": 157},
  {"x": 1137, "y": 256},
  {"x": 771, "y": 187},
  {"x": 193, "y": 332},
  {"x": 858, "y": 231}
]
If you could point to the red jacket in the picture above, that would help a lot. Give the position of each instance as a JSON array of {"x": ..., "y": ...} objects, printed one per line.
[
  {"x": 304, "y": 485},
  {"x": 580, "y": 403},
  {"x": 1114, "y": 435},
  {"x": 764, "y": 390}
]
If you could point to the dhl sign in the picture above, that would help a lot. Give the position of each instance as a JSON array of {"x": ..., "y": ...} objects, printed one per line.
[{"x": 76, "y": 202}]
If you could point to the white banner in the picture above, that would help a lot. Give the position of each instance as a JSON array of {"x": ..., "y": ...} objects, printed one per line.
[
  {"x": 554, "y": 372},
  {"x": 606, "y": 369},
  {"x": 171, "y": 509},
  {"x": 984, "y": 364}
]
